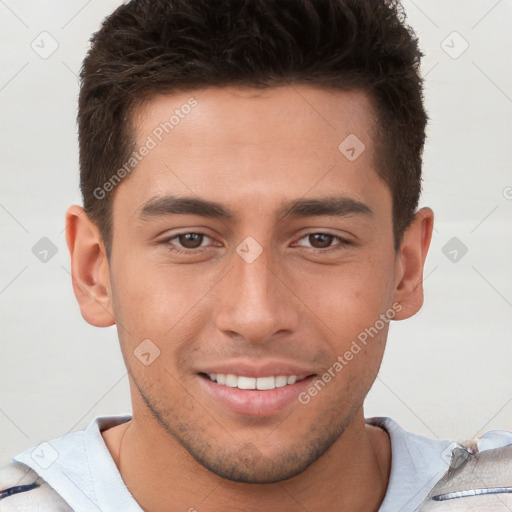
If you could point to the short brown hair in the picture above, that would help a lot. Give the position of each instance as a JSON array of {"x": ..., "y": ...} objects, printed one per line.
[{"x": 147, "y": 47}]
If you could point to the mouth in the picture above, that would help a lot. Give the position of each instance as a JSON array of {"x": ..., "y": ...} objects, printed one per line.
[{"x": 262, "y": 396}]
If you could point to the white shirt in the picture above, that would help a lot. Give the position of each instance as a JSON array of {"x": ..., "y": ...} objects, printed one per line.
[{"x": 80, "y": 468}]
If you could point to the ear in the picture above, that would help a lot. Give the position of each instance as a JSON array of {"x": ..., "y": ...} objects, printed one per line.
[
  {"x": 409, "y": 264},
  {"x": 89, "y": 268}
]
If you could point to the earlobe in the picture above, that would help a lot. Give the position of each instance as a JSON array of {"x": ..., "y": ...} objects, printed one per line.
[
  {"x": 89, "y": 268},
  {"x": 410, "y": 262}
]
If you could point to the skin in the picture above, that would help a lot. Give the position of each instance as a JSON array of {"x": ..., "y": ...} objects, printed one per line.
[{"x": 299, "y": 302}]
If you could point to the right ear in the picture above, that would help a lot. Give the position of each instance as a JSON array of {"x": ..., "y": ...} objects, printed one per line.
[{"x": 89, "y": 268}]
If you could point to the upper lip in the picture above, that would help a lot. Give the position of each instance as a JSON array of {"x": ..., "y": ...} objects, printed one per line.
[{"x": 267, "y": 369}]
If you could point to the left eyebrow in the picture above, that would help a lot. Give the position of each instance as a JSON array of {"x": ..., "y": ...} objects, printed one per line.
[{"x": 330, "y": 206}]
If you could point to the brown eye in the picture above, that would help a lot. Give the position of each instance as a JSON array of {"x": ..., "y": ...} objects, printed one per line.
[
  {"x": 323, "y": 242},
  {"x": 320, "y": 240},
  {"x": 191, "y": 240}
]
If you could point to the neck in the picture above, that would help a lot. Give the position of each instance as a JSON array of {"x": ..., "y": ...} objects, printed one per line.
[{"x": 162, "y": 476}]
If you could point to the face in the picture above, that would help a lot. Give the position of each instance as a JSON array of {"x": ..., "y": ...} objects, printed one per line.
[{"x": 252, "y": 252}]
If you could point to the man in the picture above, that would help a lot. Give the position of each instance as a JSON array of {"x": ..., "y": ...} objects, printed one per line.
[{"x": 251, "y": 173}]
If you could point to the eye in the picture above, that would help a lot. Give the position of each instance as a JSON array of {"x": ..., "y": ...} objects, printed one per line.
[
  {"x": 186, "y": 242},
  {"x": 321, "y": 241}
]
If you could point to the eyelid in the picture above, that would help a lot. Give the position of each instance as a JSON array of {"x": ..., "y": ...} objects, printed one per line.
[
  {"x": 171, "y": 240},
  {"x": 341, "y": 240}
]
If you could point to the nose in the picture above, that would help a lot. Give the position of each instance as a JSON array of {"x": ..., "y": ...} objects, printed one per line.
[{"x": 255, "y": 301}]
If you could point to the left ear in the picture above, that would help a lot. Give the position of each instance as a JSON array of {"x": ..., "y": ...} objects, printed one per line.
[{"x": 410, "y": 261}]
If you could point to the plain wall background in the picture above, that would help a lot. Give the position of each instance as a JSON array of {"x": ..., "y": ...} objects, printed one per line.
[{"x": 447, "y": 370}]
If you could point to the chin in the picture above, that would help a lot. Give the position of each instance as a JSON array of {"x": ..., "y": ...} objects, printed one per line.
[
  {"x": 259, "y": 471},
  {"x": 248, "y": 464}
]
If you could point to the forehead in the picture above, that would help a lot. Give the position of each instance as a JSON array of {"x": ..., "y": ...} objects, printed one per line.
[
  {"x": 253, "y": 117},
  {"x": 246, "y": 145}
]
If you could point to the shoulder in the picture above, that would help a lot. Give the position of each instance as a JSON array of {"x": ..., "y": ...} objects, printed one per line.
[
  {"x": 22, "y": 489},
  {"x": 479, "y": 477}
]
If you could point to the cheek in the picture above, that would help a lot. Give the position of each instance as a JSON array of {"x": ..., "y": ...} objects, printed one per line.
[
  {"x": 149, "y": 293},
  {"x": 350, "y": 297},
  {"x": 163, "y": 304}
]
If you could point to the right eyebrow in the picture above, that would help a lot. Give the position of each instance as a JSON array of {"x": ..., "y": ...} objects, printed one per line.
[{"x": 172, "y": 205}]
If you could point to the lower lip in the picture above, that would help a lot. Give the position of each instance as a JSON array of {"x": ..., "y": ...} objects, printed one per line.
[{"x": 253, "y": 402}]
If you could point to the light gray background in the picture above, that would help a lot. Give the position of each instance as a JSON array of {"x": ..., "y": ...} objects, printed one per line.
[{"x": 446, "y": 372}]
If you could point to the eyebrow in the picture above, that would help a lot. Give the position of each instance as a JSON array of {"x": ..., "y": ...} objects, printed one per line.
[{"x": 328, "y": 206}]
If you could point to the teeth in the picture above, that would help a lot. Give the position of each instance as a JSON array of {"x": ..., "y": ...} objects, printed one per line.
[
  {"x": 281, "y": 381},
  {"x": 246, "y": 383},
  {"x": 231, "y": 380},
  {"x": 261, "y": 383}
]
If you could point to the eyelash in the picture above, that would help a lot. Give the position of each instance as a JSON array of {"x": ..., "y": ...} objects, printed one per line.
[{"x": 341, "y": 242}]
